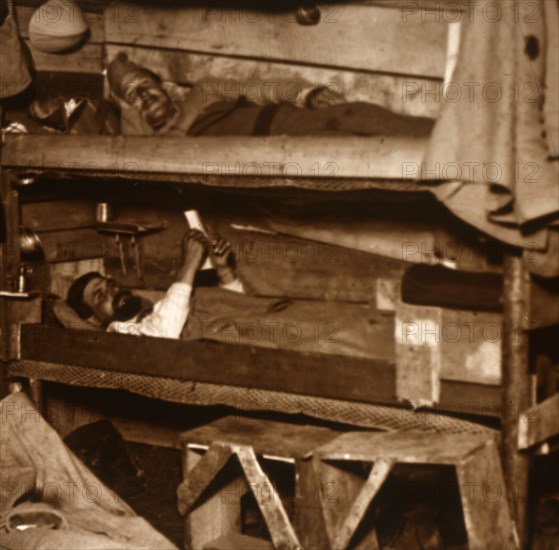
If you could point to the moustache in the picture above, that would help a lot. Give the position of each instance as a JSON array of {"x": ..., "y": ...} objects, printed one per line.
[{"x": 126, "y": 306}]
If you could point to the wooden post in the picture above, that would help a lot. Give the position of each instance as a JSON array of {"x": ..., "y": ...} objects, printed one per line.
[
  {"x": 9, "y": 261},
  {"x": 516, "y": 387}
]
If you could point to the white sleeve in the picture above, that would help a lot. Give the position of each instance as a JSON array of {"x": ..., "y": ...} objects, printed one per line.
[
  {"x": 234, "y": 286},
  {"x": 169, "y": 314}
]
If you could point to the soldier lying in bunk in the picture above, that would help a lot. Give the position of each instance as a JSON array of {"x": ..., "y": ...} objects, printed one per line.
[
  {"x": 227, "y": 314},
  {"x": 151, "y": 107}
]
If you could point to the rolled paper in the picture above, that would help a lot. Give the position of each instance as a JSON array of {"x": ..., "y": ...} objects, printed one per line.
[{"x": 194, "y": 221}]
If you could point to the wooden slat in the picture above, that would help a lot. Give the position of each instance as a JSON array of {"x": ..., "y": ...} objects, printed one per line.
[
  {"x": 87, "y": 59},
  {"x": 235, "y": 365},
  {"x": 236, "y": 541},
  {"x": 410, "y": 448},
  {"x": 465, "y": 398},
  {"x": 266, "y": 437},
  {"x": 58, "y": 214},
  {"x": 76, "y": 244},
  {"x": 269, "y": 81},
  {"x": 357, "y": 37},
  {"x": 288, "y": 157},
  {"x": 539, "y": 423}
]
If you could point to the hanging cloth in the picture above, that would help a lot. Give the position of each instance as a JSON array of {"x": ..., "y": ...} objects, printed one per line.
[
  {"x": 14, "y": 73},
  {"x": 492, "y": 154}
]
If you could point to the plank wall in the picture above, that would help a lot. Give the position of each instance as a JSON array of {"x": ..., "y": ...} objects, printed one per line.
[{"x": 368, "y": 51}]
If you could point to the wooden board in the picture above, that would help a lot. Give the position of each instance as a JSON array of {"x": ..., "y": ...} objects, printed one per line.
[
  {"x": 357, "y": 37},
  {"x": 435, "y": 343},
  {"x": 268, "y": 264},
  {"x": 265, "y": 81},
  {"x": 235, "y": 365},
  {"x": 539, "y": 423},
  {"x": 266, "y": 437},
  {"x": 87, "y": 59},
  {"x": 247, "y": 157},
  {"x": 412, "y": 448}
]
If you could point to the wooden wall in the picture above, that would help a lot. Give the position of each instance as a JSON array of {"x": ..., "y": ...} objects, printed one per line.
[{"x": 368, "y": 51}]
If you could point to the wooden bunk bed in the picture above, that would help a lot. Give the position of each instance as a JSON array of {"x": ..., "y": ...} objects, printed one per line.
[
  {"x": 248, "y": 377},
  {"x": 244, "y": 377}
]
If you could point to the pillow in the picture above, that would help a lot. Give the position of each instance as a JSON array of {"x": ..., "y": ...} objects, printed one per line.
[{"x": 67, "y": 317}]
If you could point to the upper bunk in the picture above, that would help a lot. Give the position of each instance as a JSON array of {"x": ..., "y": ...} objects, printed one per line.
[{"x": 268, "y": 54}]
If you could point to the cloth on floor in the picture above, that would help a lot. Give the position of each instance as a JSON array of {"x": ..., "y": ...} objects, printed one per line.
[
  {"x": 439, "y": 286},
  {"x": 331, "y": 328},
  {"x": 496, "y": 167},
  {"x": 14, "y": 72},
  {"x": 36, "y": 467}
]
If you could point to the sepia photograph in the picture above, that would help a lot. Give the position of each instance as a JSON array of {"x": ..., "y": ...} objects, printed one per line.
[{"x": 279, "y": 275}]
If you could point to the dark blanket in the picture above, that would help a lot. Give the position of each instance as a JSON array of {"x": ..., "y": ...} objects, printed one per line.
[
  {"x": 243, "y": 118},
  {"x": 439, "y": 286},
  {"x": 332, "y": 328}
]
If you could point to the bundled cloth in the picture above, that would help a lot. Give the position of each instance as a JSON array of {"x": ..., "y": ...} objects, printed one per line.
[
  {"x": 14, "y": 72},
  {"x": 51, "y": 500},
  {"x": 493, "y": 152}
]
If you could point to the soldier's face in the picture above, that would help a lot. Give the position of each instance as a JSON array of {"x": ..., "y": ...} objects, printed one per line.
[{"x": 155, "y": 104}]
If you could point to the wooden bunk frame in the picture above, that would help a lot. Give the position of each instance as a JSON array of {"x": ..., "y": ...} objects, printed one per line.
[
  {"x": 242, "y": 366},
  {"x": 360, "y": 164}
]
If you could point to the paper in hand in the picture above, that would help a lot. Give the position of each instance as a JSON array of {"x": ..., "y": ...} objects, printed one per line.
[{"x": 194, "y": 222}]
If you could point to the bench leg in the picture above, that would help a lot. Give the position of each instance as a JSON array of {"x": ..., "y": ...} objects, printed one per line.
[
  {"x": 345, "y": 499},
  {"x": 218, "y": 514},
  {"x": 308, "y": 518},
  {"x": 484, "y": 500}
]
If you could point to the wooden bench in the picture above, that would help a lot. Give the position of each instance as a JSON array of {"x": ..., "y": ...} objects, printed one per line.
[
  {"x": 211, "y": 493},
  {"x": 478, "y": 468}
]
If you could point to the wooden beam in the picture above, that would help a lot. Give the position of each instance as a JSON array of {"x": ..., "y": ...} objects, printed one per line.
[
  {"x": 539, "y": 423},
  {"x": 87, "y": 59},
  {"x": 231, "y": 364},
  {"x": 369, "y": 38},
  {"x": 243, "y": 158},
  {"x": 516, "y": 387}
]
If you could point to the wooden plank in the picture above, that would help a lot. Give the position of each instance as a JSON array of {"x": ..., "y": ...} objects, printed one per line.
[
  {"x": 268, "y": 264},
  {"x": 482, "y": 491},
  {"x": 466, "y": 398},
  {"x": 201, "y": 475},
  {"x": 76, "y": 244},
  {"x": 308, "y": 518},
  {"x": 379, "y": 473},
  {"x": 279, "y": 526},
  {"x": 358, "y": 37},
  {"x": 219, "y": 514},
  {"x": 409, "y": 447},
  {"x": 247, "y": 157},
  {"x": 235, "y": 365},
  {"x": 539, "y": 423},
  {"x": 266, "y": 437},
  {"x": 87, "y": 59},
  {"x": 236, "y": 541},
  {"x": 265, "y": 81},
  {"x": 58, "y": 214},
  {"x": 281, "y": 265},
  {"x": 434, "y": 343},
  {"x": 516, "y": 395}
]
